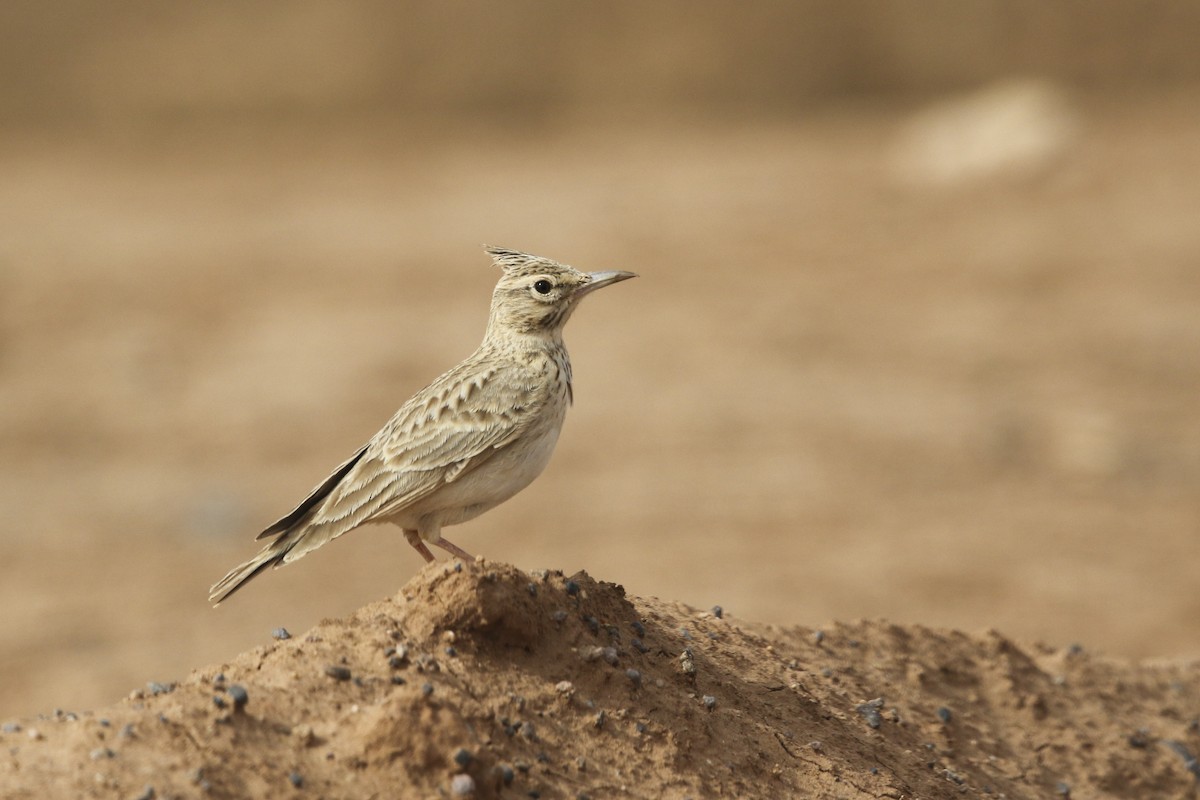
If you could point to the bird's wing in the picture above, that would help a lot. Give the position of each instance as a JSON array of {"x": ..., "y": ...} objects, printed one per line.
[{"x": 444, "y": 431}]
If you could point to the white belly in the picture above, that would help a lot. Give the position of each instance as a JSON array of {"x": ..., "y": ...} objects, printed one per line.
[{"x": 483, "y": 488}]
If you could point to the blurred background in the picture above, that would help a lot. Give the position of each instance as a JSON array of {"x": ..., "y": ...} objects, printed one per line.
[{"x": 916, "y": 336}]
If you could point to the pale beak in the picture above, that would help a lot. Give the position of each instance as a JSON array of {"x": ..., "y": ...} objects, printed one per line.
[{"x": 601, "y": 279}]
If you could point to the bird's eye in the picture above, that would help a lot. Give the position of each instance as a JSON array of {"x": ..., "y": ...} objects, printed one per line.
[{"x": 543, "y": 286}]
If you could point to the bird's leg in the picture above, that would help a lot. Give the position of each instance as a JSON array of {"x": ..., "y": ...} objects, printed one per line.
[
  {"x": 453, "y": 549},
  {"x": 414, "y": 539}
]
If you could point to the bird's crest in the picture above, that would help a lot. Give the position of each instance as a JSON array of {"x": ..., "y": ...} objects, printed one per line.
[{"x": 515, "y": 262}]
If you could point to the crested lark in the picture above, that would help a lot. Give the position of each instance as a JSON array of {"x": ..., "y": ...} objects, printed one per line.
[{"x": 462, "y": 445}]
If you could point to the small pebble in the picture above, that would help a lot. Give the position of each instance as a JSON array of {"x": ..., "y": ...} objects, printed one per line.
[
  {"x": 127, "y": 731},
  {"x": 157, "y": 688},
  {"x": 147, "y": 794},
  {"x": 581, "y": 764},
  {"x": 426, "y": 689},
  {"x": 1063, "y": 788},
  {"x": 218, "y": 701},
  {"x": 239, "y": 695},
  {"x": 953, "y": 777},
  {"x": 337, "y": 673},
  {"x": 638, "y": 645},
  {"x": 281, "y": 634},
  {"x": 559, "y": 615},
  {"x": 10, "y": 727},
  {"x": 718, "y": 612},
  {"x": 396, "y": 662},
  {"x": 572, "y": 588},
  {"x": 634, "y": 676},
  {"x": 218, "y": 679},
  {"x": 944, "y": 714},
  {"x": 462, "y": 785},
  {"x": 398, "y": 680},
  {"x": 451, "y": 652},
  {"x": 296, "y": 778},
  {"x": 463, "y": 757},
  {"x": 528, "y": 731},
  {"x": 598, "y": 720},
  {"x": 564, "y": 687},
  {"x": 709, "y": 701},
  {"x": 592, "y": 623},
  {"x": 684, "y": 632},
  {"x": 34, "y": 734},
  {"x": 101, "y": 752},
  {"x": 638, "y": 628},
  {"x": 532, "y": 589},
  {"x": 818, "y": 636},
  {"x": 640, "y": 727},
  {"x": 870, "y": 712},
  {"x": 687, "y": 661}
]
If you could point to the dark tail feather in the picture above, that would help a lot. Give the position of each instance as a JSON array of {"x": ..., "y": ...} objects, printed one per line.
[{"x": 318, "y": 494}]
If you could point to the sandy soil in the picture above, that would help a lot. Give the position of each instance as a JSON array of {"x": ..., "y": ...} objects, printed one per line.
[
  {"x": 836, "y": 392},
  {"x": 485, "y": 681}
]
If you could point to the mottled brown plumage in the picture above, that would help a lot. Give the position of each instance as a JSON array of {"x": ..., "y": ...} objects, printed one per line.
[{"x": 462, "y": 445}]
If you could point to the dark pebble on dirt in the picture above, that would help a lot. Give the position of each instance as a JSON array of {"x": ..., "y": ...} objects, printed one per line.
[
  {"x": 506, "y": 774},
  {"x": 426, "y": 689},
  {"x": 638, "y": 645},
  {"x": 10, "y": 727},
  {"x": 598, "y": 720},
  {"x": 218, "y": 701},
  {"x": 944, "y": 714},
  {"x": 718, "y": 612},
  {"x": 147, "y": 794},
  {"x": 592, "y": 623},
  {"x": 532, "y": 589},
  {"x": 709, "y": 701},
  {"x": 638, "y": 628},
  {"x": 870, "y": 712},
  {"x": 280, "y": 634},
  {"x": 239, "y": 695},
  {"x": 338, "y": 673},
  {"x": 463, "y": 757},
  {"x": 296, "y": 779},
  {"x": 634, "y": 676},
  {"x": 572, "y": 588}
]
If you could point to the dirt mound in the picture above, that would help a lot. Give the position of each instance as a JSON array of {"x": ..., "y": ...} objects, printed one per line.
[{"x": 481, "y": 680}]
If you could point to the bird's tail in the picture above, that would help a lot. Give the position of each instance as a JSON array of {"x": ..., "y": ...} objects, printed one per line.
[{"x": 270, "y": 556}]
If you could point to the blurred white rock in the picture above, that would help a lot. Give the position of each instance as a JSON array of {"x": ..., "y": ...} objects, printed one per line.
[{"x": 1010, "y": 129}]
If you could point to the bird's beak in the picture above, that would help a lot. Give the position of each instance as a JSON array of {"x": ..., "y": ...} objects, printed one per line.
[{"x": 601, "y": 279}]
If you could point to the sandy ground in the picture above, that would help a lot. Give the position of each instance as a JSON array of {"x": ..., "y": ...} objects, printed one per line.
[
  {"x": 837, "y": 391},
  {"x": 487, "y": 681}
]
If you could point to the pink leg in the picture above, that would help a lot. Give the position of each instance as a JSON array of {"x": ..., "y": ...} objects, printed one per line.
[
  {"x": 415, "y": 540},
  {"x": 453, "y": 549}
]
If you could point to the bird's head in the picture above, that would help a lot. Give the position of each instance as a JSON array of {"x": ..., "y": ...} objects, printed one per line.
[{"x": 535, "y": 295}]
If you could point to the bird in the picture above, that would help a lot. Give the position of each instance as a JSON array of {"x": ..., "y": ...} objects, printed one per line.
[{"x": 467, "y": 442}]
